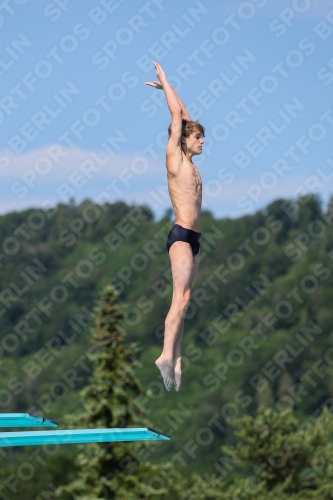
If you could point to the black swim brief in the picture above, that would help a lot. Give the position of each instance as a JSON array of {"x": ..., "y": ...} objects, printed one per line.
[{"x": 179, "y": 233}]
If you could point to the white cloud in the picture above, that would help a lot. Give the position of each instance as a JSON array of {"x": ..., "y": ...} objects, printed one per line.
[
  {"x": 132, "y": 178},
  {"x": 56, "y": 163},
  {"x": 55, "y": 173}
]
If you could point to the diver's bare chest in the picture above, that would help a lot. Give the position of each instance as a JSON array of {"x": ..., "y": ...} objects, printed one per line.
[
  {"x": 196, "y": 180},
  {"x": 187, "y": 180}
]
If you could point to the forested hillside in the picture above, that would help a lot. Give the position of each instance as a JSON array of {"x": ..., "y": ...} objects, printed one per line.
[{"x": 258, "y": 330}]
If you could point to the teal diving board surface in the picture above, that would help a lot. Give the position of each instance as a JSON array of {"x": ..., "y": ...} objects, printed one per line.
[
  {"x": 24, "y": 420},
  {"x": 27, "y": 438}
]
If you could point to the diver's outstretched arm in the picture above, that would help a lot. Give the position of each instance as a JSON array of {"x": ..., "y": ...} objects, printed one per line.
[{"x": 162, "y": 85}]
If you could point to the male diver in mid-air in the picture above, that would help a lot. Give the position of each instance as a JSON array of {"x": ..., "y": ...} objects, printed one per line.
[{"x": 183, "y": 243}]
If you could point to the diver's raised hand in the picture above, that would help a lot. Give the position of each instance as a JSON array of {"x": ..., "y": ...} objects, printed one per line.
[
  {"x": 160, "y": 73},
  {"x": 154, "y": 84}
]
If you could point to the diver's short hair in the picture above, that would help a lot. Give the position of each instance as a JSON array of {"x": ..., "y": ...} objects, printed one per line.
[{"x": 188, "y": 127}]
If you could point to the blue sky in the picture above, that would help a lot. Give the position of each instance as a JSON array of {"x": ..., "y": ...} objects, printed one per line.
[{"x": 77, "y": 120}]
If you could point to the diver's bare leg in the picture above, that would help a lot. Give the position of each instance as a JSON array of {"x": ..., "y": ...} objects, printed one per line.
[
  {"x": 182, "y": 269},
  {"x": 178, "y": 344}
]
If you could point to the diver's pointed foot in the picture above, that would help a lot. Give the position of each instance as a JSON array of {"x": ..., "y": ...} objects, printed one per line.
[
  {"x": 178, "y": 374},
  {"x": 166, "y": 368}
]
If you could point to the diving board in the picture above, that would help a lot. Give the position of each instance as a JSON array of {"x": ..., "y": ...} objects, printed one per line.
[
  {"x": 25, "y": 420},
  {"x": 27, "y": 438}
]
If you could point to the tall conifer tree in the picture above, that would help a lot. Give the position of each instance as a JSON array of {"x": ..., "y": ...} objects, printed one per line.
[{"x": 113, "y": 470}]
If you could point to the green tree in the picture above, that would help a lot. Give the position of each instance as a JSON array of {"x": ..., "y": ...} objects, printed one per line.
[
  {"x": 113, "y": 470},
  {"x": 281, "y": 459}
]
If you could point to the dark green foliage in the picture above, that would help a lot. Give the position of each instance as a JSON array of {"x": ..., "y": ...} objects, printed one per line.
[
  {"x": 281, "y": 459},
  {"x": 233, "y": 362},
  {"x": 112, "y": 470}
]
